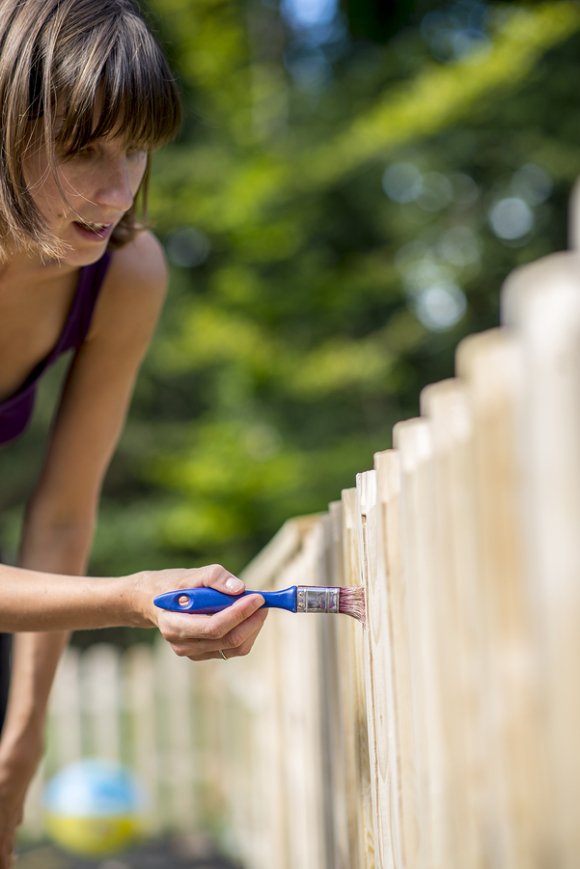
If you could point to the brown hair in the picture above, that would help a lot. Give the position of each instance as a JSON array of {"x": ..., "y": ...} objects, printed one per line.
[{"x": 70, "y": 57}]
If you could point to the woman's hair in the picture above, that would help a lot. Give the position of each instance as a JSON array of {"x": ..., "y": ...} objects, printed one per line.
[{"x": 73, "y": 71}]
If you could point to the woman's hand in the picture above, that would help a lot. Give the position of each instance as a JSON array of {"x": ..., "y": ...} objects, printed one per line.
[
  {"x": 18, "y": 764},
  {"x": 229, "y": 633}
]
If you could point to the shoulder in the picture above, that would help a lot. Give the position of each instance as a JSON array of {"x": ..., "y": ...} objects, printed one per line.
[
  {"x": 133, "y": 291},
  {"x": 140, "y": 262}
]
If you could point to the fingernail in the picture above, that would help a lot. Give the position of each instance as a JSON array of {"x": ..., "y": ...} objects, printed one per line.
[
  {"x": 258, "y": 601},
  {"x": 233, "y": 584}
]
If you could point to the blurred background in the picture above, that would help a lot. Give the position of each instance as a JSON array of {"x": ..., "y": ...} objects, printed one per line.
[{"x": 354, "y": 180}]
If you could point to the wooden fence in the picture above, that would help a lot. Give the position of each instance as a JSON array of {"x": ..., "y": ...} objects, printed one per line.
[{"x": 444, "y": 734}]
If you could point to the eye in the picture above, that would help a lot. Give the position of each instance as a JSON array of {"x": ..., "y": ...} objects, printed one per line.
[
  {"x": 82, "y": 154},
  {"x": 135, "y": 152}
]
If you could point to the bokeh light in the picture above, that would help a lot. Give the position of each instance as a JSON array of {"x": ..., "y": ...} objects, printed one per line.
[
  {"x": 403, "y": 182},
  {"x": 188, "y": 247},
  {"x": 511, "y": 218},
  {"x": 440, "y": 306}
]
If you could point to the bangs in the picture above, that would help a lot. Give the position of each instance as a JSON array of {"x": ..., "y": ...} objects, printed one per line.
[{"x": 119, "y": 84}]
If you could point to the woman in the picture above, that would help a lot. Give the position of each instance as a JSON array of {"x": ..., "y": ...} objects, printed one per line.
[{"x": 86, "y": 96}]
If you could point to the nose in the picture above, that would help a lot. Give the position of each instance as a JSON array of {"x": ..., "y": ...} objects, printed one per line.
[{"x": 114, "y": 187}]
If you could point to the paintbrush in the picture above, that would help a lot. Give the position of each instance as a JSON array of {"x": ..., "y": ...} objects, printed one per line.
[{"x": 349, "y": 600}]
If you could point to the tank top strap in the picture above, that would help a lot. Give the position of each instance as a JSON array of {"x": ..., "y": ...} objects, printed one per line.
[
  {"x": 79, "y": 319},
  {"x": 15, "y": 411}
]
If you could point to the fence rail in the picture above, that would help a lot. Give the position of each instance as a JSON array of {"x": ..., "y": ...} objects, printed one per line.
[{"x": 445, "y": 733}]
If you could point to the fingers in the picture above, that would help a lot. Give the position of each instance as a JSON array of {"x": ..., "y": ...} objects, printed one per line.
[
  {"x": 236, "y": 645},
  {"x": 216, "y": 576},
  {"x": 145, "y": 586},
  {"x": 7, "y": 858},
  {"x": 177, "y": 626},
  {"x": 232, "y": 631},
  {"x": 199, "y": 637},
  {"x": 211, "y": 576}
]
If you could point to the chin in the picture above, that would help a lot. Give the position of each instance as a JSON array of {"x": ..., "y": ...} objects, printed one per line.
[{"x": 78, "y": 257}]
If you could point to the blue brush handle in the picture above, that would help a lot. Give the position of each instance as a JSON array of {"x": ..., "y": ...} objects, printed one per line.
[{"x": 207, "y": 600}]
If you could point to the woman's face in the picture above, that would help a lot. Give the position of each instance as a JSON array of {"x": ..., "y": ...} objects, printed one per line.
[{"x": 91, "y": 193}]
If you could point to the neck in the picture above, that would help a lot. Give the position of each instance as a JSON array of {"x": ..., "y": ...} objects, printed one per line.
[{"x": 28, "y": 266}]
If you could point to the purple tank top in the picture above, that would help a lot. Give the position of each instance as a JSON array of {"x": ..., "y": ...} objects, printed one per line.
[{"x": 15, "y": 411}]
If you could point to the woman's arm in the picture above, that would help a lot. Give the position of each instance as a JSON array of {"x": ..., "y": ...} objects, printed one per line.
[
  {"x": 31, "y": 600},
  {"x": 59, "y": 526},
  {"x": 60, "y": 516},
  {"x": 35, "y": 600}
]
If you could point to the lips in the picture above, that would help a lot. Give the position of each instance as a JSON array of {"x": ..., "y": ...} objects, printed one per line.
[{"x": 96, "y": 231}]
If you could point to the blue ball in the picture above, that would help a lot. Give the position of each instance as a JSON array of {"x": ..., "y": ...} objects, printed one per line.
[{"x": 94, "y": 808}]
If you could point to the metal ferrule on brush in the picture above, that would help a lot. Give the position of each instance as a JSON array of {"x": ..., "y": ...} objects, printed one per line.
[{"x": 317, "y": 599}]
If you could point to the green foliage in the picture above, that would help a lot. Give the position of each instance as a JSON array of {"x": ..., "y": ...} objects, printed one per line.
[{"x": 290, "y": 350}]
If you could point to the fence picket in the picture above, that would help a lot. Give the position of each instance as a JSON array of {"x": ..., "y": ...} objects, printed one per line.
[
  {"x": 447, "y": 408},
  {"x": 101, "y": 695},
  {"x": 352, "y": 678},
  {"x": 403, "y": 754},
  {"x": 376, "y": 667},
  {"x": 542, "y": 305},
  {"x": 139, "y": 690}
]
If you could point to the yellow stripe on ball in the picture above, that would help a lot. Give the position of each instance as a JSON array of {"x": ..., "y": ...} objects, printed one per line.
[{"x": 93, "y": 837}]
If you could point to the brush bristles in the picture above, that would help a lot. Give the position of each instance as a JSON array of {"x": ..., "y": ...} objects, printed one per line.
[{"x": 352, "y": 602}]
